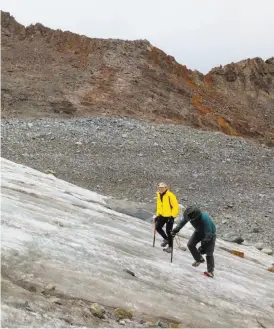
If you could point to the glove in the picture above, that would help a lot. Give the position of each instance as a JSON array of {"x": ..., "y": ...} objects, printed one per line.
[
  {"x": 202, "y": 250},
  {"x": 174, "y": 232},
  {"x": 171, "y": 219}
]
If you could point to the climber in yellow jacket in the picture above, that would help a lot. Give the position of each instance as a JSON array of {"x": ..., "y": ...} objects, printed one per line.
[{"x": 167, "y": 209}]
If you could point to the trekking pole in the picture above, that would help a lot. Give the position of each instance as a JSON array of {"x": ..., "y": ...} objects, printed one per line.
[
  {"x": 171, "y": 256},
  {"x": 154, "y": 234}
]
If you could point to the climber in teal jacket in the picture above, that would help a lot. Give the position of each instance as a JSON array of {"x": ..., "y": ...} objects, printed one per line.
[{"x": 205, "y": 232}]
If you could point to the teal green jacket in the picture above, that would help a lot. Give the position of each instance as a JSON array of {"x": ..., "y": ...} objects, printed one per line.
[{"x": 205, "y": 226}]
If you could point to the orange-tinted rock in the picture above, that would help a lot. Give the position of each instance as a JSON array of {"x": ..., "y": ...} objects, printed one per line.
[{"x": 133, "y": 78}]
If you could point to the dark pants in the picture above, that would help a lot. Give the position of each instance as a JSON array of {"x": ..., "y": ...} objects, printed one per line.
[
  {"x": 169, "y": 225},
  {"x": 193, "y": 241}
]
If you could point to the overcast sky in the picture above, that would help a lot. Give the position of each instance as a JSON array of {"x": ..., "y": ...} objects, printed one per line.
[{"x": 198, "y": 33}]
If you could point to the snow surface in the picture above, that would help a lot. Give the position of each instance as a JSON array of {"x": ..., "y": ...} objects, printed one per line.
[{"x": 56, "y": 233}]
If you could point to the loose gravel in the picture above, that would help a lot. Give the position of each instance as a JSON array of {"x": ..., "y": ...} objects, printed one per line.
[{"x": 231, "y": 178}]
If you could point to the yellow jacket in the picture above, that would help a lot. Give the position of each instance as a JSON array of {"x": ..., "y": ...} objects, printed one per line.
[{"x": 168, "y": 206}]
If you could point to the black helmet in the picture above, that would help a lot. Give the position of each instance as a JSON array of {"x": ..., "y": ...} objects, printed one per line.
[{"x": 192, "y": 213}]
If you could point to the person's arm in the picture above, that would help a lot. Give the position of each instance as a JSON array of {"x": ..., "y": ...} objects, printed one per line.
[
  {"x": 174, "y": 205},
  {"x": 179, "y": 226},
  {"x": 157, "y": 205},
  {"x": 208, "y": 230}
]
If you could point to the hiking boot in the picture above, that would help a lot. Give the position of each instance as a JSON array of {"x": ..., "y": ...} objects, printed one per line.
[
  {"x": 168, "y": 249},
  {"x": 196, "y": 264},
  {"x": 164, "y": 243},
  {"x": 210, "y": 274}
]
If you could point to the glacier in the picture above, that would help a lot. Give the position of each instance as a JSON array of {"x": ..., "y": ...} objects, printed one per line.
[{"x": 55, "y": 233}]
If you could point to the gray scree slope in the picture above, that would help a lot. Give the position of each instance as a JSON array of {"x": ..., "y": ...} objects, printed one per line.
[{"x": 232, "y": 179}]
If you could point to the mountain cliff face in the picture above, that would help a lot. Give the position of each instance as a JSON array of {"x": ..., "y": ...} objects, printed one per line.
[{"x": 49, "y": 72}]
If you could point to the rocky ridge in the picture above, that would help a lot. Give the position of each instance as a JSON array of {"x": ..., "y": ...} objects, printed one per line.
[{"x": 49, "y": 72}]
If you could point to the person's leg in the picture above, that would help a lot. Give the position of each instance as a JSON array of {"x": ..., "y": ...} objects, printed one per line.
[
  {"x": 194, "y": 239},
  {"x": 209, "y": 255},
  {"x": 169, "y": 227},
  {"x": 159, "y": 227}
]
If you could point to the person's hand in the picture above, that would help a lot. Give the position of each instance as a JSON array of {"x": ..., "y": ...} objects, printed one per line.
[
  {"x": 174, "y": 232},
  {"x": 156, "y": 219}
]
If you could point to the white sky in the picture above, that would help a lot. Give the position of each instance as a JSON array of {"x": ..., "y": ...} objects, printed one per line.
[{"x": 199, "y": 33}]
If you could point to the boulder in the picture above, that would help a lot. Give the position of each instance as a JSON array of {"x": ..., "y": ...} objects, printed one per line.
[
  {"x": 175, "y": 325},
  {"x": 48, "y": 289},
  {"x": 162, "y": 324},
  {"x": 233, "y": 237},
  {"x": 97, "y": 310},
  {"x": 267, "y": 251},
  {"x": 259, "y": 245},
  {"x": 121, "y": 313}
]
